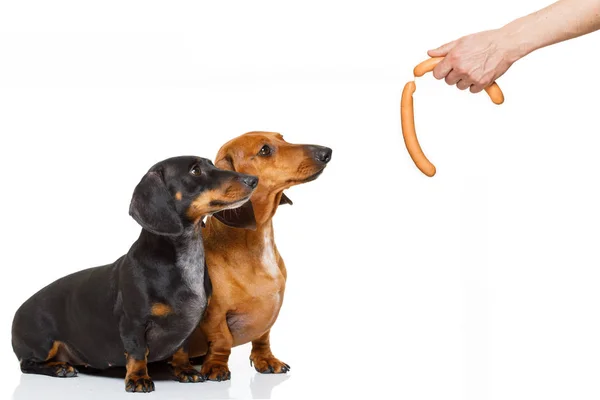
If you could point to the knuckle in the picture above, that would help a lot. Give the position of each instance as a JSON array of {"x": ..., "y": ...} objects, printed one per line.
[
  {"x": 460, "y": 69},
  {"x": 484, "y": 80}
]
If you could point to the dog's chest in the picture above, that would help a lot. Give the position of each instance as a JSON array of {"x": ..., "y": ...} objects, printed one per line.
[
  {"x": 268, "y": 257},
  {"x": 257, "y": 309},
  {"x": 190, "y": 264},
  {"x": 183, "y": 300},
  {"x": 256, "y": 315},
  {"x": 181, "y": 283}
]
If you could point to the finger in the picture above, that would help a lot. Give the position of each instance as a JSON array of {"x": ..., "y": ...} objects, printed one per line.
[
  {"x": 476, "y": 88},
  {"x": 442, "y": 69},
  {"x": 453, "y": 77},
  {"x": 442, "y": 50},
  {"x": 463, "y": 84}
]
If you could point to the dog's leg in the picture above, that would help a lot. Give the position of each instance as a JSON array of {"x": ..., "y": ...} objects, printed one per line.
[
  {"x": 214, "y": 367},
  {"x": 48, "y": 365},
  {"x": 262, "y": 358},
  {"x": 198, "y": 346},
  {"x": 137, "y": 378},
  {"x": 183, "y": 370},
  {"x": 136, "y": 354},
  {"x": 50, "y": 368}
]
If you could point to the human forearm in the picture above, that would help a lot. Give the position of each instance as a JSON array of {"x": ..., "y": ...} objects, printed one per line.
[
  {"x": 563, "y": 20},
  {"x": 475, "y": 61}
]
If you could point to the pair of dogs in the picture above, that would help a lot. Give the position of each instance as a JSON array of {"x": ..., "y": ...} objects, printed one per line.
[{"x": 186, "y": 289}]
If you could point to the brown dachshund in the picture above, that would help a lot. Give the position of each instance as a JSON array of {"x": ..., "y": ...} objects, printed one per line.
[{"x": 247, "y": 273}]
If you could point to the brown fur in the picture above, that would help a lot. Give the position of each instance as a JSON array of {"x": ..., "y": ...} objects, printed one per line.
[
  {"x": 62, "y": 369},
  {"x": 53, "y": 350},
  {"x": 183, "y": 369},
  {"x": 161, "y": 310},
  {"x": 203, "y": 204},
  {"x": 55, "y": 361},
  {"x": 247, "y": 273},
  {"x": 137, "y": 378}
]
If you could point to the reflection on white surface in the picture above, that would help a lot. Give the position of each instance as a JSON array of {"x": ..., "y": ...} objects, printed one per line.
[
  {"x": 261, "y": 385},
  {"x": 110, "y": 384}
]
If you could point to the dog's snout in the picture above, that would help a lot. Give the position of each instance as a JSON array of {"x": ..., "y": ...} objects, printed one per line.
[
  {"x": 322, "y": 154},
  {"x": 249, "y": 180}
]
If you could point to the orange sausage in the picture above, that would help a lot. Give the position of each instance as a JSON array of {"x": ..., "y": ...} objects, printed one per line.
[
  {"x": 495, "y": 93},
  {"x": 426, "y": 66},
  {"x": 407, "y": 119},
  {"x": 493, "y": 90},
  {"x": 407, "y": 115}
]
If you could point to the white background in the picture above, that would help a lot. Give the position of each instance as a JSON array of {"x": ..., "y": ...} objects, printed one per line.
[{"x": 479, "y": 283}]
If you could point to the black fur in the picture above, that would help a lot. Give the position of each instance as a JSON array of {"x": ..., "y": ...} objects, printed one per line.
[{"x": 101, "y": 313}]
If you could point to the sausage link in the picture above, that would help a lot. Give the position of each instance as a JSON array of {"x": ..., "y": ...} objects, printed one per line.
[
  {"x": 407, "y": 120},
  {"x": 428, "y": 65},
  {"x": 495, "y": 93},
  {"x": 407, "y": 115}
]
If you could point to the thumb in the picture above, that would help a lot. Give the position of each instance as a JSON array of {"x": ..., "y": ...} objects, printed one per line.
[{"x": 442, "y": 50}]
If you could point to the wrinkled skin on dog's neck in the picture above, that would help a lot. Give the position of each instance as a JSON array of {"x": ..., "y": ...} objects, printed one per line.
[{"x": 265, "y": 206}]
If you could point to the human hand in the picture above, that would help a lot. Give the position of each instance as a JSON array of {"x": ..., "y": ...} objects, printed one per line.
[{"x": 474, "y": 61}]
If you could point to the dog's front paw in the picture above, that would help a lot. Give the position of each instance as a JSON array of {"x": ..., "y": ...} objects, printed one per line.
[
  {"x": 139, "y": 384},
  {"x": 215, "y": 371},
  {"x": 187, "y": 374},
  {"x": 268, "y": 364}
]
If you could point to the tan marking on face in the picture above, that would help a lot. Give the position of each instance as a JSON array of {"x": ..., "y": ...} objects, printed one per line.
[
  {"x": 178, "y": 196},
  {"x": 160, "y": 310},
  {"x": 231, "y": 192},
  {"x": 201, "y": 205}
]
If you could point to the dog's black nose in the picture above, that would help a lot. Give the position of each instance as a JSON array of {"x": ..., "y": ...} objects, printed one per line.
[
  {"x": 250, "y": 180},
  {"x": 323, "y": 154}
]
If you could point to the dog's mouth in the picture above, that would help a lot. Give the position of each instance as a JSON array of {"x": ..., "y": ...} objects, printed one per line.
[
  {"x": 228, "y": 205},
  {"x": 309, "y": 179}
]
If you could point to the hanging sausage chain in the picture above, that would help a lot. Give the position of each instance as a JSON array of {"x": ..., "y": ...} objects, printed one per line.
[{"x": 407, "y": 115}]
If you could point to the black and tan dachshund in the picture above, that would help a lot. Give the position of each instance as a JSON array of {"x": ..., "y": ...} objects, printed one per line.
[{"x": 143, "y": 307}]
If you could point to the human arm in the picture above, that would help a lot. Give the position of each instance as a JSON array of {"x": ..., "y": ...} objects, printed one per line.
[{"x": 477, "y": 60}]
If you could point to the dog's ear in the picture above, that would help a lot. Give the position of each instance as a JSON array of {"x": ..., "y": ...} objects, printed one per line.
[
  {"x": 241, "y": 217},
  {"x": 153, "y": 207},
  {"x": 285, "y": 200},
  {"x": 225, "y": 162}
]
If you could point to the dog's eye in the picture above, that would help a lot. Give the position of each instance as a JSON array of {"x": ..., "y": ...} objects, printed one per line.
[
  {"x": 195, "y": 170},
  {"x": 265, "y": 151}
]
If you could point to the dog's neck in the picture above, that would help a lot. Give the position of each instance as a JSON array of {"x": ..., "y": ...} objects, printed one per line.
[
  {"x": 187, "y": 248},
  {"x": 257, "y": 247},
  {"x": 189, "y": 253},
  {"x": 265, "y": 206}
]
